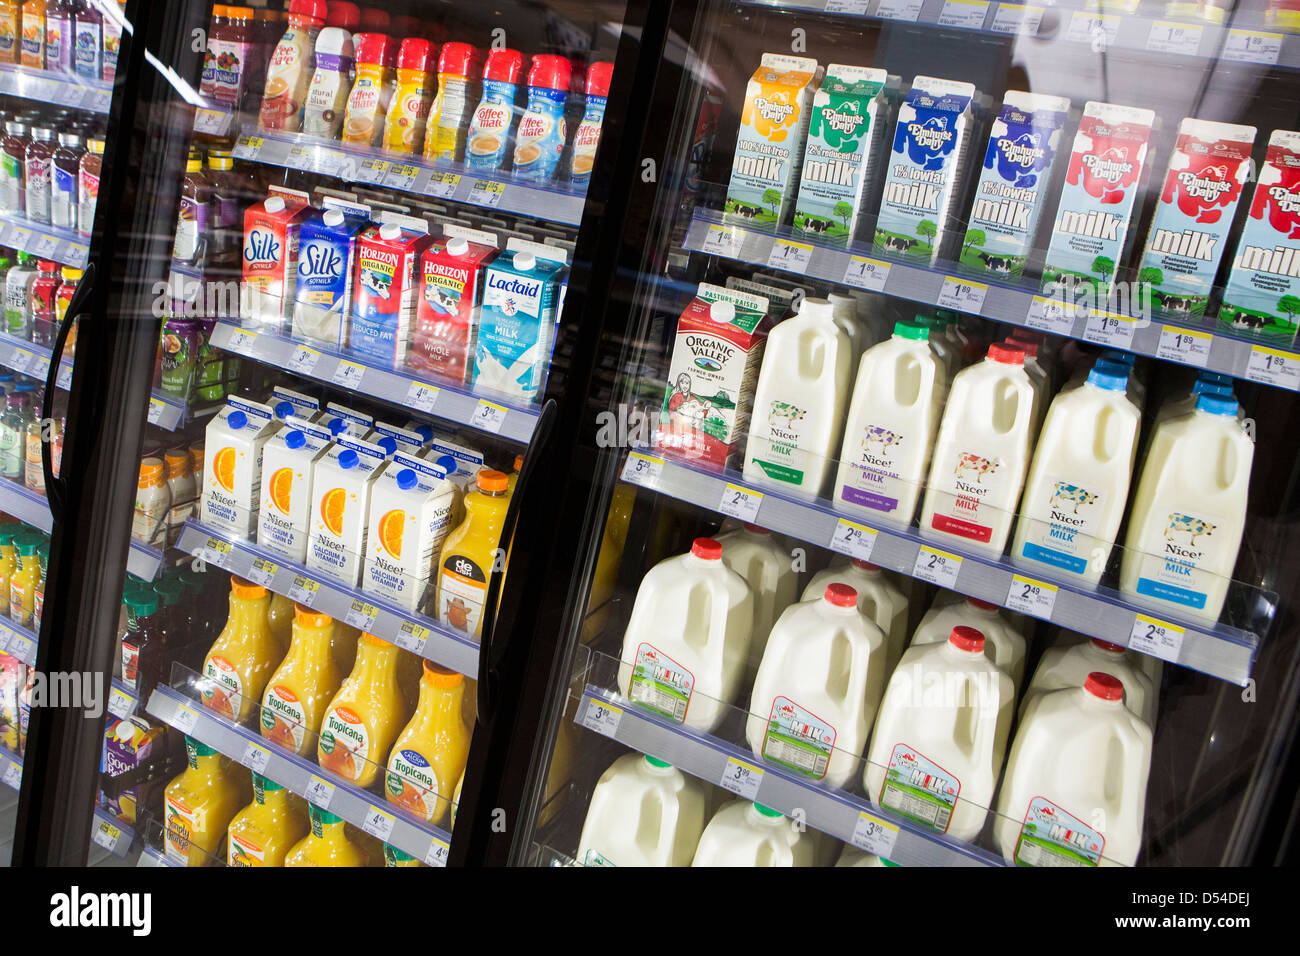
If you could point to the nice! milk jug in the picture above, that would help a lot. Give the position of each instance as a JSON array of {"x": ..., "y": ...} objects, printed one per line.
[
  {"x": 941, "y": 734},
  {"x": 878, "y": 599},
  {"x": 1078, "y": 483},
  {"x": 982, "y": 452},
  {"x": 1004, "y": 645},
  {"x": 1075, "y": 786},
  {"x": 1190, "y": 510},
  {"x": 750, "y": 834},
  {"x": 799, "y": 403},
  {"x": 768, "y": 569},
  {"x": 643, "y": 812},
  {"x": 688, "y": 637},
  {"x": 818, "y": 687},
  {"x": 1070, "y": 665}
]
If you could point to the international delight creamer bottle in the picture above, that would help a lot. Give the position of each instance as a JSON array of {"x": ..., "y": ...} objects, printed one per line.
[{"x": 488, "y": 140}]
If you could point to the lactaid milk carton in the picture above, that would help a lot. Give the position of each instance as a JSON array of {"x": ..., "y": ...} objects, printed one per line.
[
  {"x": 412, "y": 506},
  {"x": 340, "y": 507},
  {"x": 270, "y": 258},
  {"x": 327, "y": 255},
  {"x": 341, "y": 419},
  {"x": 516, "y": 329},
  {"x": 288, "y": 463},
  {"x": 388, "y": 260},
  {"x": 770, "y": 144},
  {"x": 452, "y": 274},
  {"x": 232, "y": 466},
  {"x": 927, "y": 159}
]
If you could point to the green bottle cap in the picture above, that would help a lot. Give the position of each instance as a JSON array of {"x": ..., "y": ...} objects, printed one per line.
[
  {"x": 171, "y": 592},
  {"x": 142, "y": 603},
  {"x": 767, "y": 811},
  {"x": 656, "y": 762},
  {"x": 912, "y": 330}
]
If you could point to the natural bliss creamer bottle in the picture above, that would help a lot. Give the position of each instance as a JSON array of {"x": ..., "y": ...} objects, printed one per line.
[
  {"x": 458, "y": 69},
  {"x": 367, "y": 106},
  {"x": 542, "y": 134},
  {"x": 488, "y": 140},
  {"x": 289, "y": 74},
  {"x": 327, "y": 94}
]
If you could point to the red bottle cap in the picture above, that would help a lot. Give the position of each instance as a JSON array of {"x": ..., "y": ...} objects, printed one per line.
[
  {"x": 865, "y": 565},
  {"x": 841, "y": 595},
  {"x": 505, "y": 66},
  {"x": 1104, "y": 686},
  {"x": 982, "y": 605},
  {"x": 45, "y": 265},
  {"x": 378, "y": 48},
  {"x": 405, "y": 26},
  {"x": 707, "y": 548},
  {"x": 1008, "y": 353},
  {"x": 344, "y": 15},
  {"x": 1029, "y": 345},
  {"x": 550, "y": 72},
  {"x": 315, "y": 9},
  {"x": 1108, "y": 646},
  {"x": 756, "y": 529},
  {"x": 373, "y": 20},
  {"x": 598, "y": 77},
  {"x": 415, "y": 54},
  {"x": 966, "y": 639},
  {"x": 457, "y": 59}
]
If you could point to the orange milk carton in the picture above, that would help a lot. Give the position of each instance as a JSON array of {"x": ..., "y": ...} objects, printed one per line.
[
  {"x": 340, "y": 505},
  {"x": 232, "y": 466},
  {"x": 412, "y": 507},
  {"x": 288, "y": 463}
]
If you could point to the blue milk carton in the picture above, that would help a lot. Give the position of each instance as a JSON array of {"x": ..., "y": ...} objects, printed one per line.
[
  {"x": 520, "y": 308},
  {"x": 327, "y": 250}
]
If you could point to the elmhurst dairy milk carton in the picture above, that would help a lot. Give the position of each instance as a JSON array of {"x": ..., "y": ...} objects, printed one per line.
[
  {"x": 270, "y": 258},
  {"x": 926, "y": 163},
  {"x": 288, "y": 461},
  {"x": 843, "y": 152},
  {"x": 770, "y": 144},
  {"x": 232, "y": 465},
  {"x": 340, "y": 507},
  {"x": 1262, "y": 293},
  {"x": 412, "y": 506},
  {"x": 1014, "y": 182},
  {"x": 327, "y": 250},
  {"x": 521, "y": 303},
  {"x": 385, "y": 288},
  {"x": 1207, "y": 172}
]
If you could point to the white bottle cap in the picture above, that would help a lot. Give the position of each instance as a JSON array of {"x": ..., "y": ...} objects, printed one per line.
[
  {"x": 274, "y": 204},
  {"x": 457, "y": 246},
  {"x": 817, "y": 308},
  {"x": 525, "y": 261},
  {"x": 333, "y": 217},
  {"x": 722, "y": 311},
  {"x": 390, "y": 230}
]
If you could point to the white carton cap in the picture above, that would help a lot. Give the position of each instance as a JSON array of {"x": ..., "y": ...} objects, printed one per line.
[
  {"x": 274, "y": 204},
  {"x": 525, "y": 261},
  {"x": 722, "y": 311},
  {"x": 333, "y": 217},
  {"x": 390, "y": 230},
  {"x": 457, "y": 246}
]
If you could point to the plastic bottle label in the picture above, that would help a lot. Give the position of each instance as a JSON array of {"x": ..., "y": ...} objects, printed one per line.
[
  {"x": 344, "y": 743},
  {"x": 876, "y": 481},
  {"x": 462, "y": 589},
  {"x": 411, "y": 783},
  {"x": 1175, "y": 574},
  {"x": 919, "y": 788},
  {"x": 223, "y": 691},
  {"x": 284, "y": 719},
  {"x": 178, "y": 833},
  {"x": 660, "y": 684},
  {"x": 1066, "y": 539},
  {"x": 960, "y": 507},
  {"x": 541, "y": 134},
  {"x": 798, "y": 739},
  {"x": 244, "y": 852},
  {"x": 489, "y": 129},
  {"x": 1050, "y": 836}
]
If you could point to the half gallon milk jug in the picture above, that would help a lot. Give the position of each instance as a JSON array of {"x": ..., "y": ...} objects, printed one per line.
[
  {"x": 643, "y": 812},
  {"x": 878, "y": 599},
  {"x": 1207, "y": 383},
  {"x": 844, "y": 311},
  {"x": 1190, "y": 510},
  {"x": 818, "y": 687},
  {"x": 1078, "y": 483},
  {"x": 687, "y": 640},
  {"x": 982, "y": 452},
  {"x": 750, "y": 834},
  {"x": 1074, "y": 791},
  {"x": 1069, "y": 666},
  {"x": 896, "y": 404},
  {"x": 1038, "y": 379},
  {"x": 941, "y": 735},
  {"x": 799, "y": 403},
  {"x": 1004, "y": 645},
  {"x": 754, "y": 554}
]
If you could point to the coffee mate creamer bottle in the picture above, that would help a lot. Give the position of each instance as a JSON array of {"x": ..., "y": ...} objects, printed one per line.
[
  {"x": 586, "y": 138},
  {"x": 367, "y": 106},
  {"x": 458, "y": 69},
  {"x": 542, "y": 134},
  {"x": 878, "y": 600},
  {"x": 800, "y": 399},
  {"x": 409, "y": 110},
  {"x": 768, "y": 569},
  {"x": 487, "y": 143},
  {"x": 643, "y": 812},
  {"x": 1190, "y": 510},
  {"x": 288, "y": 76},
  {"x": 982, "y": 452}
]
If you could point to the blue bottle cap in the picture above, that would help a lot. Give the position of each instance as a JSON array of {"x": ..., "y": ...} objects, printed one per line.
[
  {"x": 389, "y": 444},
  {"x": 447, "y": 463},
  {"x": 348, "y": 458},
  {"x": 1107, "y": 367},
  {"x": 1109, "y": 376},
  {"x": 1123, "y": 358},
  {"x": 1215, "y": 405},
  {"x": 295, "y": 439},
  {"x": 1217, "y": 377},
  {"x": 236, "y": 420},
  {"x": 425, "y": 432},
  {"x": 407, "y": 479},
  {"x": 283, "y": 409},
  {"x": 338, "y": 426},
  {"x": 1206, "y": 387}
]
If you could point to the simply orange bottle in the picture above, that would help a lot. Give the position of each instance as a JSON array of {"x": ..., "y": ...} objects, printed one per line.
[
  {"x": 199, "y": 804},
  {"x": 329, "y": 843},
  {"x": 243, "y": 655},
  {"x": 303, "y": 685},
  {"x": 409, "y": 110},
  {"x": 431, "y": 751},
  {"x": 365, "y": 716},
  {"x": 469, "y": 553},
  {"x": 263, "y": 832}
]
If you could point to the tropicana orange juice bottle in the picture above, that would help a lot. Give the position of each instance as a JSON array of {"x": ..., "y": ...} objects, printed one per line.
[
  {"x": 431, "y": 751},
  {"x": 262, "y": 833},
  {"x": 469, "y": 552},
  {"x": 243, "y": 655},
  {"x": 303, "y": 685},
  {"x": 364, "y": 717},
  {"x": 279, "y": 617},
  {"x": 409, "y": 110},
  {"x": 200, "y": 803},
  {"x": 328, "y": 844}
]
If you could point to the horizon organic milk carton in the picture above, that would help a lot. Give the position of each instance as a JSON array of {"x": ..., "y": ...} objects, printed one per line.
[
  {"x": 925, "y": 172},
  {"x": 270, "y": 258},
  {"x": 770, "y": 144},
  {"x": 1207, "y": 172},
  {"x": 232, "y": 465},
  {"x": 1014, "y": 183},
  {"x": 388, "y": 258},
  {"x": 288, "y": 461},
  {"x": 412, "y": 507},
  {"x": 340, "y": 504},
  {"x": 521, "y": 303},
  {"x": 1262, "y": 293},
  {"x": 326, "y": 260},
  {"x": 452, "y": 274}
]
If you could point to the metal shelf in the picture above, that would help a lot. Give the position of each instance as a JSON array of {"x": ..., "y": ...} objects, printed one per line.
[
  {"x": 19, "y": 642},
  {"x": 111, "y": 833},
  {"x": 44, "y": 241},
  {"x": 54, "y": 89},
  {"x": 26, "y": 505}
]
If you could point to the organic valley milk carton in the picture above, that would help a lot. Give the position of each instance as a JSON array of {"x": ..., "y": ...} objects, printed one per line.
[
  {"x": 232, "y": 465},
  {"x": 326, "y": 261},
  {"x": 1263, "y": 289},
  {"x": 340, "y": 507},
  {"x": 1207, "y": 171},
  {"x": 845, "y": 143},
  {"x": 770, "y": 144},
  {"x": 516, "y": 328},
  {"x": 288, "y": 461},
  {"x": 388, "y": 258},
  {"x": 931, "y": 140},
  {"x": 1014, "y": 183},
  {"x": 270, "y": 258},
  {"x": 452, "y": 273},
  {"x": 412, "y": 505}
]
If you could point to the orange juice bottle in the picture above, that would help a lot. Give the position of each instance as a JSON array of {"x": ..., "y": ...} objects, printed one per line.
[
  {"x": 32, "y": 53},
  {"x": 344, "y": 646},
  {"x": 8, "y": 563},
  {"x": 243, "y": 656},
  {"x": 328, "y": 844},
  {"x": 263, "y": 832},
  {"x": 279, "y": 618},
  {"x": 364, "y": 716},
  {"x": 431, "y": 751},
  {"x": 469, "y": 552},
  {"x": 395, "y": 857},
  {"x": 10, "y": 31},
  {"x": 22, "y": 582},
  {"x": 304, "y": 683},
  {"x": 200, "y": 803},
  {"x": 409, "y": 110}
]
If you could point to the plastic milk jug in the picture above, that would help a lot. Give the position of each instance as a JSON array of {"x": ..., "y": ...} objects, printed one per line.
[
  {"x": 1004, "y": 645},
  {"x": 878, "y": 599},
  {"x": 750, "y": 834},
  {"x": 1070, "y": 665},
  {"x": 643, "y": 812},
  {"x": 754, "y": 554}
]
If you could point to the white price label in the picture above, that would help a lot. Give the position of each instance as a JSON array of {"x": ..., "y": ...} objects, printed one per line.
[
  {"x": 13, "y": 777},
  {"x": 1180, "y": 38},
  {"x": 722, "y": 241},
  {"x": 372, "y": 171},
  {"x": 262, "y": 571},
  {"x": 378, "y": 823},
  {"x": 242, "y": 340},
  {"x": 248, "y": 147},
  {"x": 1110, "y": 328},
  {"x": 1249, "y": 46},
  {"x": 255, "y": 758},
  {"x": 908, "y": 10},
  {"x": 411, "y": 637},
  {"x": 211, "y": 122},
  {"x": 304, "y": 590},
  {"x": 601, "y": 717},
  {"x": 20, "y": 238},
  {"x": 156, "y": 406},
  {"x": 422, "y": 397},
  {"x": 1274, "y": 368},
  {"x": 319, "y": 792},
  {"x": 329, "y": 162},
  {"x": 64, "y": 379},
  {"x": 77, "y": 255},
  {"x": 854, "y": 540},
  {"x": 362, "y": 615},
  {"x": 1018, "y": 20},
  {"x": 937, "y": 567},
  {"x": 216, "y": 552},
  {"x": 40, "y": 367},
  {"x": 1036, "y": 598},
  {"x": 20, "y": 359},
  {"x": 967, "y": 14},
  {"x": 120, "y": 704},
  {"x": 488, "y": 417},
  {"x": 1099, "y": 30},
  {"x": 1157, "y": 638},
  {"x": 401, "y": 176},
  {"x": 738, "y": 502},
  {"x": 742, "y": 779},
  {"x": 858, "y": 7},
  {"x": 1049, "y": 314},
  {"x": 790, "y": 256},
  {"x": 864, "y": 273},
  {"x": 486, "y": 193},
  {"x": 874, "y": 835},
  {"x": 642, "y": 469},
  {"x": 962, "y": 295},
  {"x": 106, "y": 835},
  {"x": 438, "y": 853},
  {"x": 5, "y": 637},
  {"x": 300, "y": 157},
  {"x": 184, "y": 719},
  {"x": 442, "y": 185},
  {"x": 303, "y": 360},
  {"x": 1184, "y": 345},
  {"x": 45, "y": 246},
  {"x": 349, "y": 375},
  {"x": 22, "y": 647}
]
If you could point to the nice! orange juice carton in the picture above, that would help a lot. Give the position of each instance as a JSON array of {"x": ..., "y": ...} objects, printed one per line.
[
  {"x": 232, "y": 466},
  {"x": 288, "y": 463},
  {"x": 412, "y": 507},
  {"x": 340, "y": 503}
]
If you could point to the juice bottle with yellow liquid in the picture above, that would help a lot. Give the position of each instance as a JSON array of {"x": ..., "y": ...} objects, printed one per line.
[
  {"x": 10, "y": 40},
  {"x": 243, "y": 655},
  {"x": 22, "y": 582},
  {"x": 279, "y": 618},
  {"x": 330, "y": 843},
  {"x": 469, "y": 553},
  {"x": 409, "y": 110},
  {"x": 263, "y": 832},
  {"x": 8, "y": 563},
  {"x": 365, "y": 716},
  {"x": 367, "y": 108},
  {"x": 431, "y": 751},
  {"x": 199, "y": 804},
  {"x": 395, "y": 857},
  {"x": 344, "y": 646},
  {"x": 303, "y": 685},
  {"x": 32, "y": 51}
]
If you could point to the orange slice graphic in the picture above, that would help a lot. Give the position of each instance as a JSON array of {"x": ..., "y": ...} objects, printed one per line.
[
  {"x": 331, "y": 510},
  {"x": 281, "y": 486},
  {"x": 390, "y": 531},
  {"x": 223, "y": 468}
]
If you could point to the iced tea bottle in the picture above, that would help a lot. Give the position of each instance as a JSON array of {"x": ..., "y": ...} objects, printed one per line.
[
  {"x": 13, "y": 168},
  {"x": 44, "y": 308},
  {"x": 64, "y": 180}
]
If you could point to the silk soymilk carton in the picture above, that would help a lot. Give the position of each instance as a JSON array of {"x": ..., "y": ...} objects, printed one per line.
[
  {"x": 845, "y": 145},
  {"x": 340, "y": 507},
  {"x": 1262, "y": 293},
  {"x": 288, "y": 463},
  {"x": 412, "y": 507},
  {"x": 1015, "y": 182},
  {"x": 270, "y": 258},
  {"x": 232, "y": 466},
  {"x": 388, "y": 259},
  {"x": 326, "y": 261},
  {"x": 926, "y": 164},
  {"x": 770, "y": 144},
  {"x": 1207, "y": 172},
  {"x": 1095, "y": 212},
  {"x": 521, "y": 303}
]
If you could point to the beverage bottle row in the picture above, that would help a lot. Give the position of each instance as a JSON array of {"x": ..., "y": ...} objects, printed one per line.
[
  {"x": 72, "y": 38},
  {"x": 24, "y": 552},
  {"x": 50, "y": 165},
  {"x": 37, "y": 295}
]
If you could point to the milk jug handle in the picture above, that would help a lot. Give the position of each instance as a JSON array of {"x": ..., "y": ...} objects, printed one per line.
[{"x": 56, "y": 487}]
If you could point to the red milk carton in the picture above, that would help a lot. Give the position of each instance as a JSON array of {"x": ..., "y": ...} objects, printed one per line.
[
  {"x": 388, "y": 259},
  {"x": 446, "y": 320},
  {"x": 270, "y": 258}
]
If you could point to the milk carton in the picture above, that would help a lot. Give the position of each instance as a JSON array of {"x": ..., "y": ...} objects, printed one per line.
[
  {"x": 926, "y": 164},
  {"x": 340, "y": 419},
  {"x": 388, "y": 258},
  {"x": 1207, "y": 171},
  {"x": 270, "y": 259},
  {"x": 521, "y": 303},
  {"x": 750, "y": 834},
  {"x": 412, "y": 505},
  {"x": 405, "y": 440},
  {"x": 770, "y": 144},
  {"x": 305, "y": 407},
  {"x": 288, "y": 460},
  {"x": 469, "y": 460},
  {"x": 643, "y": 812},
  {"x": 452, "y": 273},
  {"x": 340, "y": 508},
  {"x": 1095, "y": 211},
  {"x": 326, "y": 263},
  {"x": 1015, "y": 182},
  {"x": 1263, "y": 289},
  {"x": 232, "y": 466},
  {"x": 845, "y": 145}
]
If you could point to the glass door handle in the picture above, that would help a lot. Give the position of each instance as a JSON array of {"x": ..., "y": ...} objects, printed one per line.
[{"x": 55, "y": 487}]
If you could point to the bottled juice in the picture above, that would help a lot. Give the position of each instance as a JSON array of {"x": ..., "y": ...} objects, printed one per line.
[
  {"x": 244, "y": 654},
  {"x": 200, "y": 803},
  {"x": 39, "y": 173},
  {"x": 22, "y": 583},
  {"x": 367, "y": 107},
  {"x": 172, "y": 623},
  {"x": 344, "y": 646},
  {"x": 279, "y": 618},
  {"x": 13, "y": 435},
  {"x": 88, "y": 45},
  {"x": 195, "y": 215},
  {"x": 180, "y": 481},
  {"x": 13, "y": 175},
  {"x": 306, "y": 680},
  {"x": 10, "y": 30},
  {"x": 263, "y": 832},
  {"x": 60, "y": 15},
  {"x": 365, "y": 716},
  {"x": 18, "y": 292},
  {"x": 144, "y": 653},
  {"x": 8, "y": 564},
  {"x": 88, "y": 170},
  {"x": 153, "y": 500},
  {"x": 33, "y": 44},
  {"x": 469, "y": 553},
  {"x": 65, "y": 165},
  {"x": 395, "y": 857},
  {"x": 331, "y": 842},
  {"x": 45, "y": 292},
  {"x": 431, "y": 751},
  {"x": 409, "y": 110}
]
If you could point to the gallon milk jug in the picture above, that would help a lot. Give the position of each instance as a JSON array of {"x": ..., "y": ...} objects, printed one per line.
[
  {"x": 1038, "y": 379},
  {"x": 1070, "y": 665},
  {"x": 1190, "y": 510},
  {"x": 817, "y": 689},
  {"x": 844, "y": 311},
  {"x": 754, "y": 554},
  {"x": 1078, "y": 483},
  {"x": 852, "y": 856},
  {"x": 688, "y": 637},
  {"x": 897, "y": 399},
  {"x": 982, "y": 453},
  {"x": 1074, "y": 791},
  {"x": 799, "y": 403},
  {"x": 1004, "y": 645},
  {"x": 941, "y": 735},
  {"x": 878, "y": 599},
  {"x": 750, "y": 834},
  {"x": 643, "y": 812}
]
